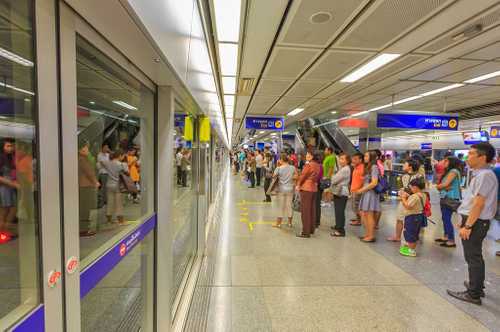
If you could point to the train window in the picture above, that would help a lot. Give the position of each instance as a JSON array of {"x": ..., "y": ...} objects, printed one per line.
[
  {"x": 115, "y": 176},
  {"x": 19, "y": 238}
]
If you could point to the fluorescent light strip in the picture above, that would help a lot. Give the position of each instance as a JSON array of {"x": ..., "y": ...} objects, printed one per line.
[
  {"x": 229, "y": 84},
  {"x": 125, "y": 105},
  {"x": 369, "y": 67},
  {"x": 295, "y": 112},
  {"x": 379, "y": 108},
  {"x": 229, "y": 100},
  {"x": 17, "y": 89},
  {"x": 407, "y": 99},
  {"x": 483, "y": 77},
  {"x": 15, "y": 58},
  {"x": 228, "y": 54},
  {"x": 446, "y": 88},
  {"x": 227, "y": 16}
]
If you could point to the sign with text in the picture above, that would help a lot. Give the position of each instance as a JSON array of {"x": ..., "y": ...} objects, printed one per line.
[
  {"x": 417, "y": 121},
  {"x": 265, "y": 123},
  {"x": 475, "y": 137},
  {"x": 495, "y": 132},
  {"x": 426, "y": 146}
]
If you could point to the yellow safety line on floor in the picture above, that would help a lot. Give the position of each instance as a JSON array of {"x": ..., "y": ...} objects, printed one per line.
[{"x": 244, "y": 202}]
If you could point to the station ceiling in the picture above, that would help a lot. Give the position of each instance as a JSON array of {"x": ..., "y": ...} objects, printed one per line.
[{"x": 297, "y": 63}]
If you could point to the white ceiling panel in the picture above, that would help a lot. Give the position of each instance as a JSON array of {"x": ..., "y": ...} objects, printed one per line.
[
  {"x": 300, "y": 30},
  {"x": 287, "y": 104},
  {"x": 263, "y": 101},
  {"x": 334, "y": 88},
  {"x": 272, "y": 87},
  {"x": 473, "y": 72},
  {"x": 446, "y": 69},
  {"x": 305, "y": 89},
  {"x": 399, "y": 87},
  {"x": 289, "y": 62},
  {"x": 487, "y": 53},
  {"x": 241, "y": 106},
  {"x": 335, "y": 64},
  {"x": 263, "y": 19},
  {"x": 372, "y": 31}
]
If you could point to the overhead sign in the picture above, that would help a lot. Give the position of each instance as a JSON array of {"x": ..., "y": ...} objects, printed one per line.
[
  {"x": 426, "y": 146},
  {"x": 417, "y": 121},
  {"x": 475, "y": 137},
  {"x": 265, "y": 123},
  {"x": 179, "y": 120},
  {"x": 495, "y": 132}
]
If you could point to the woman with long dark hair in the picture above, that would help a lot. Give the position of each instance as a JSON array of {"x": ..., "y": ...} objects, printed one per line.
[
  {"x": 450, "y": 192},
  {"x": 369, "y": 204}
]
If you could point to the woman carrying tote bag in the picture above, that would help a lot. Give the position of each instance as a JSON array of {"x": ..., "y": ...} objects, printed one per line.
[{"x": 340, "y": 190}]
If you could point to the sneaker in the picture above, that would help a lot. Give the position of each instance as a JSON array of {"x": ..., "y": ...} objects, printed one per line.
[
  {"x": 405, "y": 251},
  {"x": 466, "y": 284},
  {"x": 464, "y": 296}
]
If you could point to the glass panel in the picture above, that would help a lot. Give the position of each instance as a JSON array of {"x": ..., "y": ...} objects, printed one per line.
[
  {"x": 123, "y": 300},
  {"x": 185, "y": 198},
  {"x": 115, "y": 156},
  {"x": 19, "y": 247}
]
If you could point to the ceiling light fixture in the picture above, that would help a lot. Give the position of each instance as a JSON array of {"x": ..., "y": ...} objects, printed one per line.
[
  {"x": 15, "y": 58},
  {"x": 262, "y": 132},
  {"x": 333, "y": 112},
  {"x": 483, "y": 77},
  {"x": 229, "y": 84},
  {"x": 407, "y": 99},
  {"x": 125, "y": 105},
  {"x": 379, "y": 108},
  {"x": 228, "y": 54},
  {"x": 295, "y": 112},
  {"x": 227, "y": 16},
  {"x": 369, "y": 67},
  {"x": 229, "y": 100},
  {"x": 15, "y": 88},
  {"x": 321, "y": 17},
  {"x": 446, "y": 88},
  {"x": 92, "y": 102}
]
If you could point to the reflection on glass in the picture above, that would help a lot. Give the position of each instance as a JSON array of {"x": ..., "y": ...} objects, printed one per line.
[
  {"x": 19, "y": 255},
  {"x": 115, "y": 151},
  {"x": 122, "y": 300},
  {"x": 184, "y": 192}
]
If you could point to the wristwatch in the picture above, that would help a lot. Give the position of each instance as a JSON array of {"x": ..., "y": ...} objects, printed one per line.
[{"x": 467, "y": 226}]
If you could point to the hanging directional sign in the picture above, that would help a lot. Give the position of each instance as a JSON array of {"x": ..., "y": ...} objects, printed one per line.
[
  {"x": 265, "y": 123},
  {"x": 495, "y": 132},
  {"x": 417, "y": 121}
]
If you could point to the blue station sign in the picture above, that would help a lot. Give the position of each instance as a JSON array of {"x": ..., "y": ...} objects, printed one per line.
[
  {"x": 426, "y": 146},
  {"x": 495, "y": 132},
  {"x": 179, "y": 120},
  {"x": 265, "y": 123},
  {"x": 417, "y": 121}
]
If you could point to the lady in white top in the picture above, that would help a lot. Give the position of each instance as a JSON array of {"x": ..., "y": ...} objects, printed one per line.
[
  {"x": 340, "y": 190},
  {"x": 286, "y": 174}
]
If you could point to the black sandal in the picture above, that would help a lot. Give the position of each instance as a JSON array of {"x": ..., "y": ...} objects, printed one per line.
[
  {"x": 368, "y": 241},
  {"x": 337, "y": 234},
  {"x": 440, "y": 240},
  {"x": 448, "y": 245}
]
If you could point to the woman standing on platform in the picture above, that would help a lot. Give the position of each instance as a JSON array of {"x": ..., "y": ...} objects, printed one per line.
[
  {"x": 286, "y": 174},
  {"x": 340, "y": 190},
  {"x": 369, "y": 204},
  {"x": 449, "y": 190},
  {"x": 267, "y": 168},
  {"x": 308, "y": 186}
]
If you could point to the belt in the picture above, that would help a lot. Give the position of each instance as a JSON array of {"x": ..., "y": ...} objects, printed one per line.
[{"x": 464, "y": 219}]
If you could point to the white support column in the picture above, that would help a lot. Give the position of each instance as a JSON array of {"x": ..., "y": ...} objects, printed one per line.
[{"x": 164, "y": 255}]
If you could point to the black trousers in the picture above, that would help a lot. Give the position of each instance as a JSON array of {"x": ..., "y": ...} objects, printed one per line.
[
  {"x": 258, "y": 174},
  {"x": 339, "y": 203},
  {"x": 319, "y": 195},
  {"x": 267, "y": 184},
  {"x": 179, "y": 175},
  {"x": 184, "y": 178},
  {"x": 473, "y": 253},
  {"x": 251, "y": 177}
]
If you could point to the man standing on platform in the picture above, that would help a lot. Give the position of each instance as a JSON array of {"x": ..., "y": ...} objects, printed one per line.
[{"x": 478, "y": 208}]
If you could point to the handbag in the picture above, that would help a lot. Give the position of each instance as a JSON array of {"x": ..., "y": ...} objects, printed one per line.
[
  {"x": 296, "y": 204},
  {"x": 451, "y": 204},
  {"x": 126, "y": 184},
  {"x": 325, "y": 184}
]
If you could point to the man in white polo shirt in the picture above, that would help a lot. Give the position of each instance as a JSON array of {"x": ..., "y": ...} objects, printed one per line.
[{"x": 478, "y": 208}]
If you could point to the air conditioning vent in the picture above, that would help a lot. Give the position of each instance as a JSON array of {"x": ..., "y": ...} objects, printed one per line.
[{"x": 245, "y": 86}]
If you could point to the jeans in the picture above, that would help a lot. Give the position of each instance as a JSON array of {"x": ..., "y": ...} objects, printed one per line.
[
  {"x": 258, "y": 173},
  {"x": 473, "y": 253},
  {"x": 319, "y": 195},
  {"x": 251, "y": 177},
  {"x": 339, "y": 203},
  {"x": 449, "y": 231},
  {"x": 267, "y": 183}
]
